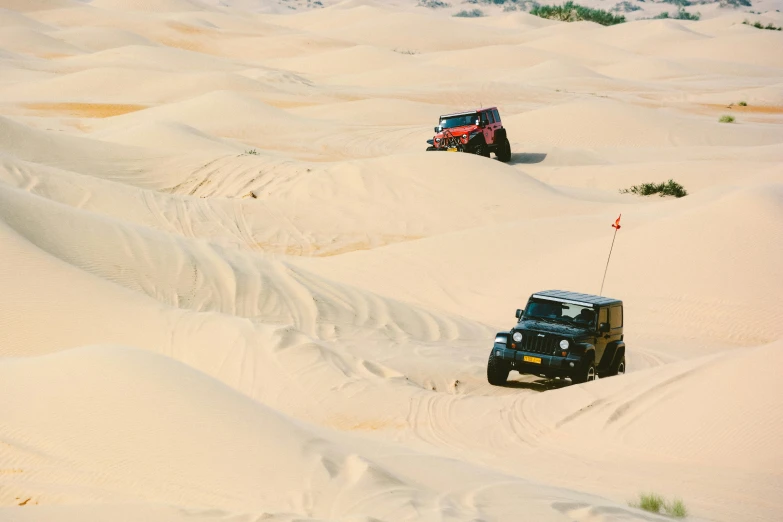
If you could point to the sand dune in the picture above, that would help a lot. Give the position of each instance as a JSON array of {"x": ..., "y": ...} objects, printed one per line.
[
  {"x": 236, "y": 287},
  {"x": 49, "y": 148},
  {"x": 378, "y": 111},
  {"x": 36, "y": 5},
  {"x": 100, "y": 39},
  {"x": 209, "y": 112},
  {"x": 344, "y": 61},
  {"x": 176, "y": 6},
  {"x": 127, "y": 85},
  {"x": 10, "y": 18},
  {"x": 747, "y": 48},
  {"x": 28, "y": 41},
  {"x": 175, "y": 135},
  {"x": 589, "y": 51},
  {"x": 646, "y": 68},
  {"x": 148, "y": 57},
  {"x": 622, "y": 126}
]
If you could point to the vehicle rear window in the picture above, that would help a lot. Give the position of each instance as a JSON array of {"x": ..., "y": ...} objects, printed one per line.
[{"x": 616, "y": 317}]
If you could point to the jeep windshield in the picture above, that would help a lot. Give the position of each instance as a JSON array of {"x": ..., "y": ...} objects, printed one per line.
[
  {"x": 558, "y": 312},
  {"x": 449, "y": 122}
]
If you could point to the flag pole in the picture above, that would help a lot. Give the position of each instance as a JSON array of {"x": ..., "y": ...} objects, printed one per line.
[{"x": 616, "y": 227}]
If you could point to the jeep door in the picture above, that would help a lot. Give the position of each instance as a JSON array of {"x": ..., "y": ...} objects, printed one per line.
[
  {"x": 601, "y": 338},
  {"x": 612, "y": 315},
  {"x": 615, "y": 323},
  {"x": 494, "y": 123},
  {"x": 489, "y": 130}
]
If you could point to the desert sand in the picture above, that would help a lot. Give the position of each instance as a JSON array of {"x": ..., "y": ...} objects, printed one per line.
[{"x": 233, "y": 286}]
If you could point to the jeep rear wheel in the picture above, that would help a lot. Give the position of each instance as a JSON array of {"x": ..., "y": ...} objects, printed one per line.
[
  {"x": 618, "y": 368},
  {"x": 585, "y": 374},
  {"x": 503, "y": 151},
  {"x": 497, "y": 370}
]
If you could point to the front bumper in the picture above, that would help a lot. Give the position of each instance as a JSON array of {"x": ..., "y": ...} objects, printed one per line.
[{"x": 551, "y": 365}]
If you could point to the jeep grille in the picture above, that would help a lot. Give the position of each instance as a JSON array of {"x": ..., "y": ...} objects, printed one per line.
[{"x": 534, "y": 342}]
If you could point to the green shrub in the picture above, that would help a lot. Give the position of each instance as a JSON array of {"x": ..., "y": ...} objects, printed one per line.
[
  {"x": 651, "y": 502},
  {"x": 759, "y": 25},
  {"x": 726, "y": 118},
  {"x": 743, "y": 104},
  {"x": 571, "y": 12},
  {"x": 625, "y": 7},
  {"x": 670, "y": 188},
  {"x": 433, "y": 4},
  {"x": 681, "y": 14},
  {"x": 475, "y": 13},
  {"x": 654, "y": 503},
  {"x": 676, "y": 509}
]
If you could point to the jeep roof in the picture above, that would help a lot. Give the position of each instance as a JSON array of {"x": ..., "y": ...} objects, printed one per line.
[
  {"x": 462, "y": 113},
  {"x": 575, "y": 298}
]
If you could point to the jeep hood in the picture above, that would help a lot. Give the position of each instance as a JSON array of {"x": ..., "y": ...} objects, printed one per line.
[
  {"x": 459, "y": 131},
  {"x": 532, "y": 325}
]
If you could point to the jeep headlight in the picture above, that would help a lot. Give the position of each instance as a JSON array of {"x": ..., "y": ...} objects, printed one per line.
[
  {"x": 564, "y": 344},
  {"x": 517, "y": 337}
]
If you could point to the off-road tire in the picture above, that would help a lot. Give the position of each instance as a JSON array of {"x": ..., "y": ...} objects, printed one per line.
[
  {"x": 481, "y": 150},
  {"x": 617, "y": 368},
  {"x": 431, "y": 148},
  {"x": 586, "y": 373},
  {"x": 497, "y": 371},
  {"x": 503, "y": 151}
]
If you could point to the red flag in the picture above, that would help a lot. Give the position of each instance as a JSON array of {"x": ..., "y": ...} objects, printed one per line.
[{"x": 617, "y": 222}]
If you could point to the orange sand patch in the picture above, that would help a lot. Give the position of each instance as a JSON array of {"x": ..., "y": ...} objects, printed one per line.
[
  {"x": 753, "y": 109},
  {"x": 189, "y": 29},
  {"x": 188, "y": 45},
  {"x": 85, "y": 110}
]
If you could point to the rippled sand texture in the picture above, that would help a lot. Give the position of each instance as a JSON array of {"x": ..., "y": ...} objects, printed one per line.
[{"x": 234, "y": 287}]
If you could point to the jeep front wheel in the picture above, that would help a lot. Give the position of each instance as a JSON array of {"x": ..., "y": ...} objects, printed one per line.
[
  {"x": 497, "y": 370},
  {"x": 481, "y": 150},
  {"x": 503, "y": 152},
  {"x": 585, "y": 374}
]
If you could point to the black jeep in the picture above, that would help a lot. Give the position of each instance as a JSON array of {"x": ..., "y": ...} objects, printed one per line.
[{"x": 562, "y": 334}]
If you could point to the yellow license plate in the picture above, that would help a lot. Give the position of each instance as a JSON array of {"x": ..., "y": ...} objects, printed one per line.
[
  {"x": 534, "y": 360},
  {"x": 452, "y": 149}
]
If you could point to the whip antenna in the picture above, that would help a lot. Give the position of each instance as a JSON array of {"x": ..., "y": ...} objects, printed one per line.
[{"x": 616, "y": 226}]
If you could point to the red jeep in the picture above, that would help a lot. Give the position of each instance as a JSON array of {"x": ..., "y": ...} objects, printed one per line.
[{"x": 477, "y": 132}]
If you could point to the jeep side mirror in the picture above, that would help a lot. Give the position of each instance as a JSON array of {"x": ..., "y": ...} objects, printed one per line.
[
  {"x": 519, "y": 314},
  {"x": 437, "y": 129},
  {"x": 603, "y": 327}
]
